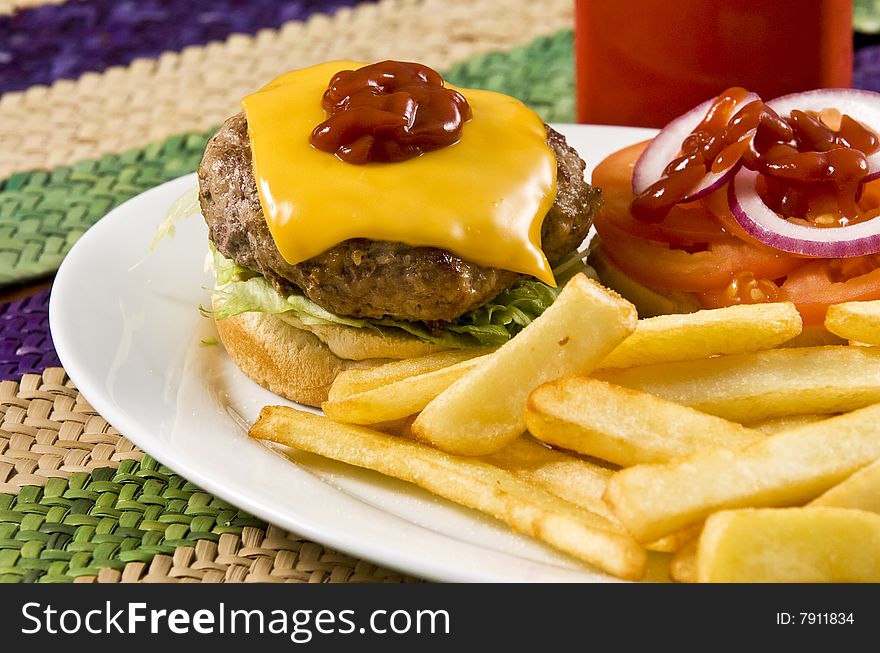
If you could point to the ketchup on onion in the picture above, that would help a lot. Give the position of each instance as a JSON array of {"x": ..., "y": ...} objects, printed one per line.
[
  {"x": 715, "y": 144},
  {"x": 811, "y": 172}
]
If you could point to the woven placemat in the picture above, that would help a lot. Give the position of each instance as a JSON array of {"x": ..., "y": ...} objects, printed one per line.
[
  {"x": 25, "y": 342},
  {"x": 38, "y": 48},
  {"x": 192, "y": 90},
  {"x": 866, "y": 16},
  {"x": 79, "y": 502},
  {"x": 42, "y": 213}
]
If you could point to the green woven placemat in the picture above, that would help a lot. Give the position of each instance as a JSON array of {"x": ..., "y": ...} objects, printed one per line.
[
  {"x": 866, "y": 16},
  {"x": 541, "y": 74},
  {"x": 77, "y": 526},
  {"x": 42, "y": 213},
  {"x": 80, "y": 503}
]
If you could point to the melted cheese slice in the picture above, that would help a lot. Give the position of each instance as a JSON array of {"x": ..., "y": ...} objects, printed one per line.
[{"x": 483, "y": 198}]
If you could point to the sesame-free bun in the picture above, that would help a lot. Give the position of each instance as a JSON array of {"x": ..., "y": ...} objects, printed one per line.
[
  {"x": 289, "y": 359},
  {"x": 649, "y": 302}
]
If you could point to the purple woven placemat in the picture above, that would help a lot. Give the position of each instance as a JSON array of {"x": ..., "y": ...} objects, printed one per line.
[
  {"x": 866, "y": 68},
  {"x": 62, "y": 41},
  {"x": 25, "y": 342}
]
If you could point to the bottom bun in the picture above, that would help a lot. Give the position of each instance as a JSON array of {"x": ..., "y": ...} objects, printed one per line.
[
  {"x": 649, "y": 302},
  {"x": 288, "y": 361}
]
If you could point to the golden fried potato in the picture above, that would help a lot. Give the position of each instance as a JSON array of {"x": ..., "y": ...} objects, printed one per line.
[
  {"x": 860, "y": 491},
  {"x": 356, "y": 381},
  {"x": 569, "y": 477},
  {"x": 691, "y": 336},
  {"x": 859, "y": 321},
  {"x": 683, "y": 565},
  {"x": 396, "y": 399},
  {"x": 470, "y": 482},
  {"x": 790, "y": 545},
  {"x": 625, "y": 427},
  {"x": 764, "y": 384},
  {"x": 777, "y": 424},
  {"x": 674, "y": 542},
  {"x": 483, "y": 410},
  {"x": 788, "y": 468}
]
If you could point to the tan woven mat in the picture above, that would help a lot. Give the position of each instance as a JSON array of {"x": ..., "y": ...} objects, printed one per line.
[
  {"x": 79, "y": 502},
  {"x": 194, "y": 90},
  {"x": 11, "y": 6}
]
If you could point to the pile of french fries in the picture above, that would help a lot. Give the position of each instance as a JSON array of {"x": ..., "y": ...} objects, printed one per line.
[{"x": 700, "y": 440}]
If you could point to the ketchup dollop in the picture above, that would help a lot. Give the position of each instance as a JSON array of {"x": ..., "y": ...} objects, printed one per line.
[
  {"x": 716, "y": 143},
  {"x": 810, "y": 168},
  {"x": 813, "y": 172},
  {"x": 387, "y": 112}
]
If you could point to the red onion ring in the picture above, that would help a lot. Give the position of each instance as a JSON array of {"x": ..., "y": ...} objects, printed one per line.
[
  {"x": 765, "y": 225},
  {"x": 863, "y": 106},
  {"x": 666, "y": 146}
]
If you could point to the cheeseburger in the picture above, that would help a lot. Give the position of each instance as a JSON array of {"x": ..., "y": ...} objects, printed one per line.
[{"x": 364, "y": 213}]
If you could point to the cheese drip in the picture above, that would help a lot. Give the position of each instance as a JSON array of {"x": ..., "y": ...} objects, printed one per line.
[{"x": 483, "y": 198}]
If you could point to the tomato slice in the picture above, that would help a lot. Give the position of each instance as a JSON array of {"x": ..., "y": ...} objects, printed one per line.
[
  {"x": 718, "y": 204},
  {"x": 812, "y": 287},
  {"x": 662, "y": 266},
  {"x": 685, "y": 224},
  {"x": 820, "y": 283},
  {"x": 699, "y": 247}
]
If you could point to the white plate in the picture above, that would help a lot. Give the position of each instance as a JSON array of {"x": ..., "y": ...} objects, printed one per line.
[{"x": 126, "y": 325}]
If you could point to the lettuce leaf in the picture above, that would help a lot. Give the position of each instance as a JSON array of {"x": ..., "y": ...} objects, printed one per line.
[
  {"x": 183, "y": 207},
  {"x": 492, "y": 324}
]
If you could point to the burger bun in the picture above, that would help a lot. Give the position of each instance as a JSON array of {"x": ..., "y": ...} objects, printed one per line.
[{"x": 293, "y": 363}]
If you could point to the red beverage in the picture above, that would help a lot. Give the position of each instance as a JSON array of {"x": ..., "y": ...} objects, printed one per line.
[{"x": 644, "y": 62}]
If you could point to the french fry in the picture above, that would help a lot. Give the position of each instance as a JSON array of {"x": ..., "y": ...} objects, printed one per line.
[
  {"x": 394, "y": 427},
  {"x": 790, "y": 545},
  {"x": 467, "y": 481},
  {"x": 683, "y": 565},
  {"x": 860, "y": 491},
  {"x": 691, "y": 336},
  {"x": 574, "y": 479},
  {"x": 625, "y": 427},
  {"x": 674, "y": 542},
  {"x": 788, "y": 468},
  {"x": 569, "y": 477},
  {"x": 397, "y": 399},
  {"x": 777, "y": 424},
  {"x": 858, "y": 321},
  {"x": 356, "y": 381},
  {"x": 764, "y": 384},
  {"x": 483, "y": 410}
]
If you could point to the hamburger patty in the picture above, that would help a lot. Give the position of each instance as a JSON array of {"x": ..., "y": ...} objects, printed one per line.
[{"x": 368, "y": 278}]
